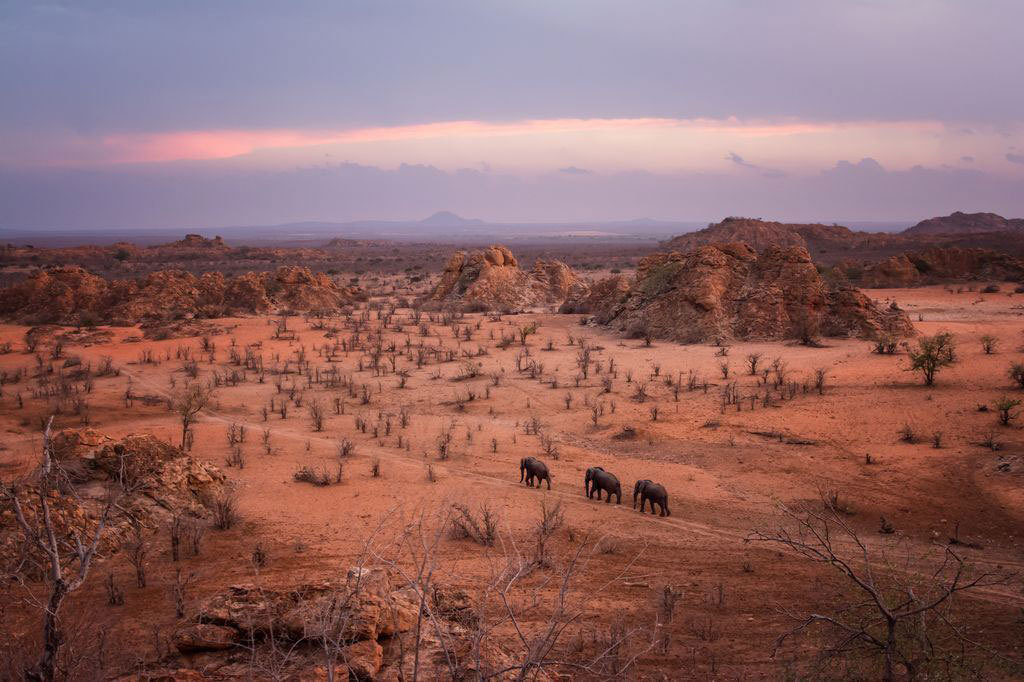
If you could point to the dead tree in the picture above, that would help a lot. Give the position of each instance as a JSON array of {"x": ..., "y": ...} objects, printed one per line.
[
  {"x": 902, "y": 618},
  {"x": 67, "y": 553}
]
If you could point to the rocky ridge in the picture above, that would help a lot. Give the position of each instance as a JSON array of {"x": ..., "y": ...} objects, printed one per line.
[
  {"x": 71, "y": 295},
  {"x": 962, "y": 223},
  {"x": 728, "y": 291}
]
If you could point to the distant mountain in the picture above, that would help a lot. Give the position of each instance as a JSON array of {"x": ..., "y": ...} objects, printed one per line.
[
  {"x": 965, "y": 223},
  {"x": 449, "y": 219}
]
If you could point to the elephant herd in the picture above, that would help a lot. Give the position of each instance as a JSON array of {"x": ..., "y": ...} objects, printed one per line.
[{"x": 597, "y": 479}]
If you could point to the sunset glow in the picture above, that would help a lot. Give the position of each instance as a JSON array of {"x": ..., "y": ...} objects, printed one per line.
[{"x": 648, "y": 142}]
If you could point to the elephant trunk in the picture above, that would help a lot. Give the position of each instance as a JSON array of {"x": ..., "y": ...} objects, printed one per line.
[{"x": 522, "y": 469}]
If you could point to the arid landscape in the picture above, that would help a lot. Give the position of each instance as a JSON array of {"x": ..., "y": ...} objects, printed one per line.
[
  {"x": 301, "y": 475},
  {"x": 511, "y": 341}
]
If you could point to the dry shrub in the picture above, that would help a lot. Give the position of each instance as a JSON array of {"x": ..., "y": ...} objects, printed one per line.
[
  {"x": 225, "y": 510},
  {"x": 482, "y": 529}
]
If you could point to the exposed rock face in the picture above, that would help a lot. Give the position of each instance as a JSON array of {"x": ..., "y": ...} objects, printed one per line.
[
  {"x": 727, "y": 291},
  {"x": 161, "y": 475},
  {"x": 368, "y": 612},
  {"x": 71, "y": 295},
  {"x": 162, "y": 481},
  {"x": 492, "y": 279},
  {"x": 936, "y": 265},
  {"x": 966, "y": 223}
]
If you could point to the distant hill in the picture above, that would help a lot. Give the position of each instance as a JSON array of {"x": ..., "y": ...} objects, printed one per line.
[
  {"x": 762, "y": 234},
  {"x": 965, "y": 223},
  {"x": 449, "y": 219}
]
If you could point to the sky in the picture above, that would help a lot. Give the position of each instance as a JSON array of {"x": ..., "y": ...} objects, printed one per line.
[{"x": 150, "y": 114}]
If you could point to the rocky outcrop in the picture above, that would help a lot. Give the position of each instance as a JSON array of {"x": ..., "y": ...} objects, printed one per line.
[
  {"x": 936, "y": 265},
  {"x": 492, "y": 279},
  {"x": 728, "y": 291},
  {"x": 763, "y": 234},
  {"x": 71, "y": 295},
  {"x": 159, "y": 481},
  {"x": 161, "y": 476},
  {"x": 367, "y": 619},
  {"x": 197, "y": 241},
  {"x": 965, "y": 223}
]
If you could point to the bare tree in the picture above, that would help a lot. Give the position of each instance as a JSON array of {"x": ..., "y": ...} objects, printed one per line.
[
  {"x": 67, "y": 552},
  {"x": 900, "y": 619}
]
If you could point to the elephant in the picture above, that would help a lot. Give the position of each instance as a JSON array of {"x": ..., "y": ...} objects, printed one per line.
[
  {"x": 588, "y": 478},
  {"x": 531, "y": 468},
  {"x": 655, "y": 493},
  {"x": 598, "y": 479}
]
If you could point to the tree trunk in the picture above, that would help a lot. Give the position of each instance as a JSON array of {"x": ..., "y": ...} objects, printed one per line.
[
  {"x": 45, "y": 670},
  {"x": 890, "y": 653}
]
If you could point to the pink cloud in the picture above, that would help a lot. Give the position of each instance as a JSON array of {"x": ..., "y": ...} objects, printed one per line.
[{"x": 229, "y": 143}]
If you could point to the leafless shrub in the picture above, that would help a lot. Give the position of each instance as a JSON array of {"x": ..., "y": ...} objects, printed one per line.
[
  {"x": 225, "y": 510},
  {"x": 482, "y": 529},
  {"x": 551, "y": 519},
  {"x": 115, "y": 595},
  {"x": 316, "y": 415},
  {"x": 179, "y": 591},
  {"x": 901, "y": 621},
  {"x": 908, "y": 434}
]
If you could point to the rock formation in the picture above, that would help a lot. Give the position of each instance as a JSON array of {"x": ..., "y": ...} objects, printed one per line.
[
  {"x": 965, "y": 223},
  {"x": 71, "y": 295},
  {"x": 762, "y": 234},
  {"x": 161, "y": 481},
  {"x": 727, "y": 291},
  {"x": 492, "y": 279},
  {"x": 368, "y": 619},
  {"x": 939, "y": 264}
]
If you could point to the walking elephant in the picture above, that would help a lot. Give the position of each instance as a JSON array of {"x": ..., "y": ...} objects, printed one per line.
[
  {"x": 597, "y": 479},
  {"x": 654, "y": 493},
  {"x": 588, "y": 478},
  {"x": 532, "y": 468}
]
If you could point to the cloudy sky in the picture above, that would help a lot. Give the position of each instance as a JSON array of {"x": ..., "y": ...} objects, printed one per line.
[{"x": 142, "y": 113}]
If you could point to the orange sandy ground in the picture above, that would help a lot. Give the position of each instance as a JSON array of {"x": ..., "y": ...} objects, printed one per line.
[{"x": 724, "y": 480}]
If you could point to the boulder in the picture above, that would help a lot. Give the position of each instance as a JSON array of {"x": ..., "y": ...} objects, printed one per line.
[
  {"x": 364, "y": 659},
  {"x": 204, "y": 637}
]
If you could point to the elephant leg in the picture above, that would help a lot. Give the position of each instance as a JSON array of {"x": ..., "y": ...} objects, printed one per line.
[
  {"x": 549, "y": 483},
  {"x": 663, "y": 509},
  {"x": 643, "y": 501}
]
